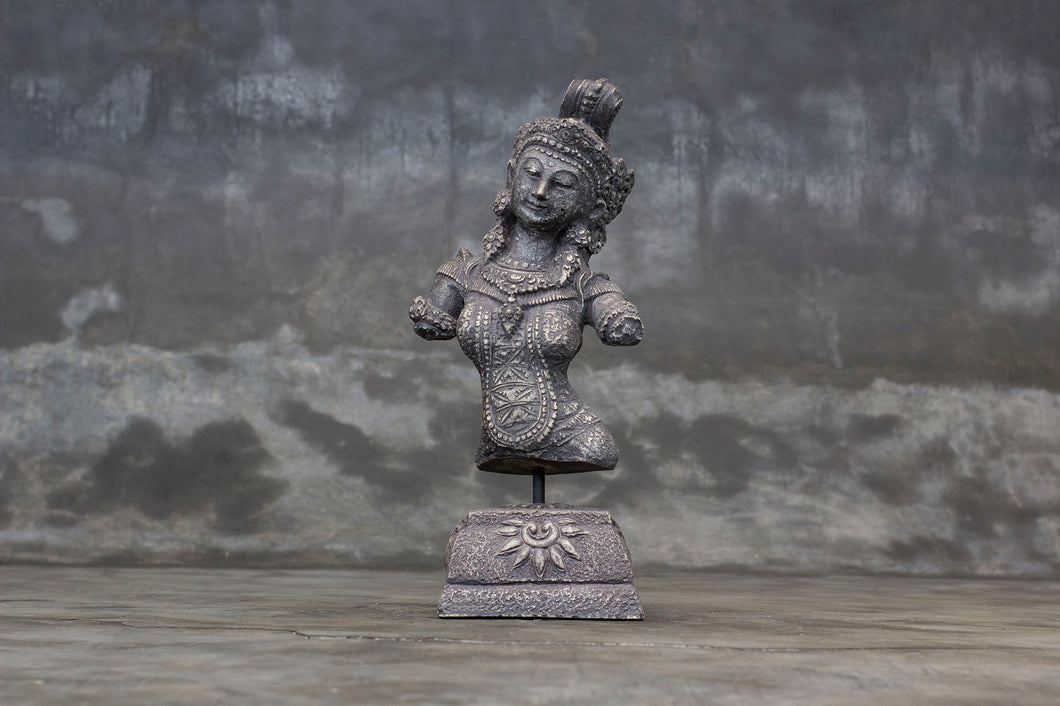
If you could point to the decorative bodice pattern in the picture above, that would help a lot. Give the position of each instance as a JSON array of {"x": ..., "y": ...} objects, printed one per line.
[
  {"x": 521, "y": 325},
  {"x": 523, "y": 374}
]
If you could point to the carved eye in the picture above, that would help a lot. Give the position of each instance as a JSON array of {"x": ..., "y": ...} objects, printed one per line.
[
  {"x": 532, "y": 167},
  {"x": 565, "y": 179}
]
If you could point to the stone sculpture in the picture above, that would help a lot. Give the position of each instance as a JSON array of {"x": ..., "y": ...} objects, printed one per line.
[{"x": 517, "y": 311}]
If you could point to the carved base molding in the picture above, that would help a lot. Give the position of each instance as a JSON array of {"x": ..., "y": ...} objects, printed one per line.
[{"x": 539, "y": 561}]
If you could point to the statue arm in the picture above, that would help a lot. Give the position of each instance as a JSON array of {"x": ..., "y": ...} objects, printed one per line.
[
  {"x": 434, "y": 316},
  {"x": 614, "y": 317}
]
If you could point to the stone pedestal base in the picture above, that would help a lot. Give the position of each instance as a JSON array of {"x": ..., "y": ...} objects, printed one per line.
[{"x": 539, "y": 561}]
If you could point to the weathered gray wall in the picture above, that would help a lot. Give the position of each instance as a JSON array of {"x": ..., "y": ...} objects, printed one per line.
[{"x": 844, "y": 240}]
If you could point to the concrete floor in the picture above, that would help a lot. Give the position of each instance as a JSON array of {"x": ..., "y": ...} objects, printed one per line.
[{"x": 190, "y": 636}]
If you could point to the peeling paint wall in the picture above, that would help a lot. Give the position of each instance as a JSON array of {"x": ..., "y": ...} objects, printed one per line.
[{"x": 844, "y": 241}]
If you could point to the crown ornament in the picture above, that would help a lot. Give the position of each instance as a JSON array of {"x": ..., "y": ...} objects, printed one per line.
[{"x": 580, "y": 134}]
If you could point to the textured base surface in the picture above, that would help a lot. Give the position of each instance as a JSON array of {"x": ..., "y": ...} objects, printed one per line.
[
  {"x": 556, "y": 600},
  {"x": 539, "y": 561}
]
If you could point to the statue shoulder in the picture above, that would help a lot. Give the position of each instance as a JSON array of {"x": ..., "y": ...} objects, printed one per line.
[
  {"x": 459, "y": 268},
  {"x": 597, "y": 283}
]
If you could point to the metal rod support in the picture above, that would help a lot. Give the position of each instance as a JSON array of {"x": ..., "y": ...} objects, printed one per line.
[{"x": 539, "y": 487}]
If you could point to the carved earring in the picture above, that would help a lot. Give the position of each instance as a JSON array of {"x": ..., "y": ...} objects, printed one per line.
[
  {"x": 502, "y": 204},
  {"x": 580, "y": 235},
  {"x": 493, "y": 241}
]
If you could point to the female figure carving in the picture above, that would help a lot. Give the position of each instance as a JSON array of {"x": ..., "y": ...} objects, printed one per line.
[{"x": 518, "y": 309}]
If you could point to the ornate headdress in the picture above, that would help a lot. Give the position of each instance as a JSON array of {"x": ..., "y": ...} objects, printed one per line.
[{"x": 579, "y": 136}]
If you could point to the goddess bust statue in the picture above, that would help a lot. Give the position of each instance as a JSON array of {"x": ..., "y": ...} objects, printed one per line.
[{"x": 518, "y": 309}]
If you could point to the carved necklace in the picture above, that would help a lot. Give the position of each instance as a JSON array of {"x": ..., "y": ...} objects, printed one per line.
[{"x": 514, "y": 277}]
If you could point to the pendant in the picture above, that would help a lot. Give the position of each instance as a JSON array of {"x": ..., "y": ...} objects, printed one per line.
[{"x": 510, "y": 314}]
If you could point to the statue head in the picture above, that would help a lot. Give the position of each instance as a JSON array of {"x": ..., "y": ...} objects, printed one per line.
[{"x": 576, "y": 144}]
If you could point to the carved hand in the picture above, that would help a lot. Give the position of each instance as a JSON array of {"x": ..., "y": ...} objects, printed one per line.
[
  {"x": 431, "y": 322},
  {"x": 624, "y": 330},
  {"x": 429, "y": 332}
]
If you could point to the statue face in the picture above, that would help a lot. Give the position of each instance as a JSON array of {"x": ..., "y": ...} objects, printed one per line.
[{"x": 548, "y": 193}]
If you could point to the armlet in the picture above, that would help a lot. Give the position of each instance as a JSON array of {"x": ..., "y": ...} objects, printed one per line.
[
  {"x": 425, "y": 312},
  {"x": 624, "y": 310}
]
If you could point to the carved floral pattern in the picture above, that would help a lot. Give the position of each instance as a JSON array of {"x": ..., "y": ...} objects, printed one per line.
[{"x": 543, "y": 544}]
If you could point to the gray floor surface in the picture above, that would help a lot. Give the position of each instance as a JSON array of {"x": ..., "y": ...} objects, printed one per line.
[{"x": 197, "y": 636}]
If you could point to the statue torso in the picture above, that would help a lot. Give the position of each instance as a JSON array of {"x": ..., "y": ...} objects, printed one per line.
[
  {"x": 523, "y": 365},
  {"x": 521, "y": 328}
]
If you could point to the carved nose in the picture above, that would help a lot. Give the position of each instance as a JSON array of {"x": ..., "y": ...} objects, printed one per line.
[{"x": 540, "y": 192}]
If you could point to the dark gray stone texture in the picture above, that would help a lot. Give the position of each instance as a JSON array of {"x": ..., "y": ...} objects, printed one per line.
[
  {"x": 844, "y": 243},
  {"x": 539, "y": 561}
]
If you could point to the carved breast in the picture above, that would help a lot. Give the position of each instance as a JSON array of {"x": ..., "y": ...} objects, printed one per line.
[
  {"x": 558, "y": 332},
  {"x": 520, "y": 372}
]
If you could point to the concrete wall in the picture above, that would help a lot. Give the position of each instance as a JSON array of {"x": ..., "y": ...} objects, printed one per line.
[{"x": 844, "y": 241}]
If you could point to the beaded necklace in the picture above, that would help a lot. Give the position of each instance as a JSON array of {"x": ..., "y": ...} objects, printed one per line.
[{"x": 515, "y": 277}]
